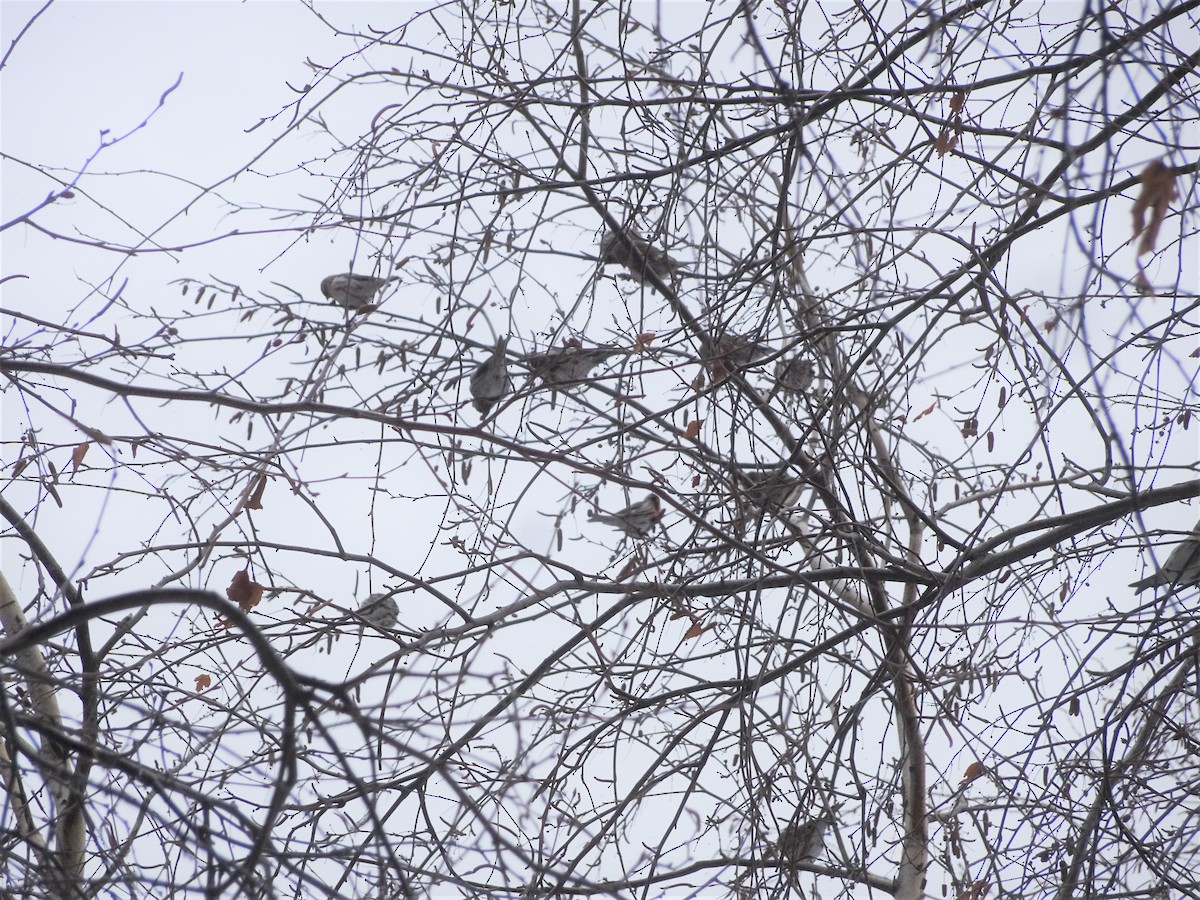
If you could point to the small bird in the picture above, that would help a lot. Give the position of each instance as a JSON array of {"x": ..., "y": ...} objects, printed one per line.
[
  {"x": 636, "y": 520},
  {"x": 771, "y": 491},
  {"x": 1182, "y": 568},
  {"x": 731, "y": 353},
  {"x": 490, "y": 381},
  {"x": 639, "y": 259},
  {"x": 379, "y": 610},
  {"x": 569, "y": 364},
  {"x": 803, "y": 842},
  {"x": 795, "y": 375},
  {"x": 351, "y": 291}
]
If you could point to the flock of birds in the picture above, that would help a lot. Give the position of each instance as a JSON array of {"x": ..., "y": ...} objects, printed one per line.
[
  {"x": 801, "y": 841},
  {"x": 490, "y": 382}
]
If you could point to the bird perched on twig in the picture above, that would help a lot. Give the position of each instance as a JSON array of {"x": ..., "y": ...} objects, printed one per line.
[
  {"x": 731, "y": 353},
  {"x": 569, "y": 364},
  {"x": 636, "y": 520},
  {"x": 379, "y": 610},
  {"x": 351, "y": 291},
  {"x": 795, "y": 375},
  {"x": 803, "y": 842},
  {"x": 638, "y": 257},
  {"x": 771, "y": 491},
  {"x": 490, "y": 381},
  {"x": 1182, "y": 568}
]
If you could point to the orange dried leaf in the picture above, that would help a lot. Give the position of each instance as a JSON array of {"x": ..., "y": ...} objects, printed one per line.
[
  {"x": 643, "y": 341},
  {"x": 1158, "y": 190},
  {"x": 974, "y": 770},
  {"x": 693, "y": 430},
  {"x": 202, "y": 683},
  {"x": 244, "y": 592},
  {"x": 695, "y": 631},
  {"x": 78, "y": 454},
  {"x": 926, "y": 411}
]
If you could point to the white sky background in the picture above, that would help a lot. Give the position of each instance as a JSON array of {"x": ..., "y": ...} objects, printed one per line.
[{"x": 85, "y": 67}]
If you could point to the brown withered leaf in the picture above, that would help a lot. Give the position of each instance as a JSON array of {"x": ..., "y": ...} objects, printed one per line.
[
  {"x": 958, "y": 101},
  {"x": 693, "y": 430},
  {"x": 78, "y": 454},
  {"x": 644, "y": 340},
  {"x": 254, "y": 500},
  {"x": 1158, "y": 190},
  {"x": 926, "y": 411},
  {"x": 695, "y": 631},
  {"x": 974, "y": 770},
  {"x": 203, "y": 682},
  {"x": 945, "y": 141},
  {"x": 244, "y": 592},
  {"x": 1142, "y": 284}
]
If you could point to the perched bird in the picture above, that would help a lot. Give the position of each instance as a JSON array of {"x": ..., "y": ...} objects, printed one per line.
[
  {"x": 731, "y": 353},
  {"x": 351, "y": 291},
  {"x": 803, "y": 842},
  {"x": 636, "y": 520},
  {"x": 490, "y": 381},
  {"x": 1182, "y": 568},
  {"x": 795, "y": 375},
  {"x": 569, "y": 364},
  {"x": 379, "y": 610},
  {"x": 638, "y": 259},
  {"x": 771, "y": 491}
]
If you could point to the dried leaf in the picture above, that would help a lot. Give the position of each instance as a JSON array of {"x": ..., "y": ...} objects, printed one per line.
[
  {"x": 695, "y": 631},
  {"x": 78, "y": 454},
  {"x": 643, "y": 341},
  {"x": 254, "y": 501},
  {"x": 958, "y": 101},
  {"x": 926, "y": 411},
  {"x": 203, "y": 682},
  {"x": 1158, "y": 190},
  {"x": 244, "y": 592},
  {"x": 974, "y": 770},
  {"x": 693, "y": 430}
]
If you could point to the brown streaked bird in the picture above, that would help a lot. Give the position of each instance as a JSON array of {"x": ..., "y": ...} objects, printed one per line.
[
  {"x": 731, "y": 353},
  {"x": 1181, "y": 569},
  {"x": 490, "y": 381},
  {"x": 795, "y": 375},
  {"x": 568, "y": 365},
  {"x": 803, "y": 842},
  {"x": 379, "y": 610},
  {"x": 351, "y": 291},
  {"x": 636, "y": 520},
  {"x": 639, "y": 259}
]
